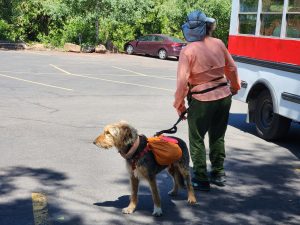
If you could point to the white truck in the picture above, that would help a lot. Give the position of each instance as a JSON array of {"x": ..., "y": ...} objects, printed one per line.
[{"x": 264, "y": 40}]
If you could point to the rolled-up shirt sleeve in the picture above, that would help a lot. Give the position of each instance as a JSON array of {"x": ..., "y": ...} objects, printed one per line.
[
  {"x": 183, "y": 73},
  {"x": 230, "y": 71}
]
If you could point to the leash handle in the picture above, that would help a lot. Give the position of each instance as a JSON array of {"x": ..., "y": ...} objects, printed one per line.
[
  {"x": 173, "y": 129},
  {"x": 183, "y": 114}
]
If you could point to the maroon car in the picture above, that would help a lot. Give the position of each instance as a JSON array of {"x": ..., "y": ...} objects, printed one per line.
[{"x": 159, "y": 45}]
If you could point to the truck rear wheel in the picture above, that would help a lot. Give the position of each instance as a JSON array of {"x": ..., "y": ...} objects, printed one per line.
[{"x": 269, "y": 125}]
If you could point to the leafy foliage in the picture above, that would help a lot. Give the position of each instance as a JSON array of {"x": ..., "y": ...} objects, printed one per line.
[
  {"x": 56, "y": 22},
  {"x": 4, "y": 30}
]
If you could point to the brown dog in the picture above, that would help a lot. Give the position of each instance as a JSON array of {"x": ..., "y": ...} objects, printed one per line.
[{"x": 130, "y": 145}]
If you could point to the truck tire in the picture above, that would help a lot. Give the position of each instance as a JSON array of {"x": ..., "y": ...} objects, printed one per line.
[{"x": 269, "y": 125}]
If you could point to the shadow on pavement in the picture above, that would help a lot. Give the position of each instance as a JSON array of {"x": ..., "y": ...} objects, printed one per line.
[
  {"x": 171, "y": 211},
  {"x": 120, "y": 203},
  {"x": 257, "y": 192},
  {"x": 19, "y": 211},
  {"x": 290, "y": 142},
  {"x": 260, "y": 189}
]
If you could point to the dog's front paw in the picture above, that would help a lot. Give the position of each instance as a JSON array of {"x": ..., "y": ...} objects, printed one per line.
[
  {"x": 192, "y": 200},
  {"x": 128, "y": 210},
  {"x": 157, "y": 211}
]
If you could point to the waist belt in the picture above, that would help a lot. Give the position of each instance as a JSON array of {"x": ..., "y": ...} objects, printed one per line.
[
  {"x": 173, "y": 129},
  {"x": 208, "y": 89}
]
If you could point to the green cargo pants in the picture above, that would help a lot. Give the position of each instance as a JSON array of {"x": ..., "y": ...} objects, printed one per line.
[{"x": 208, "y": 117}]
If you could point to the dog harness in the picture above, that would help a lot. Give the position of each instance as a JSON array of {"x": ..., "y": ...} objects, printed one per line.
[
  {"x": 138, "y": 149},
  {"x": 136, "y": 158},
  {"x": 165, "y": 150},
  {"x": 131, "y": 150}
]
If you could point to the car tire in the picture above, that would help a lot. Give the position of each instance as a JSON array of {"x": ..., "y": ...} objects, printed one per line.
[
  {"x": 129, "y": 49},
  {"x": 269, "y": 125},
  {"x": 162, "y": 54}
]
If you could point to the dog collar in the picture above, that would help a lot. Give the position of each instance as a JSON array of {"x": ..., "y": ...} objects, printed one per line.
[{"x": 132, "y": 150}]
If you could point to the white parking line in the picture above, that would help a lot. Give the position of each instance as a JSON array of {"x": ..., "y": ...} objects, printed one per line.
[
  {"x": 60, "y": 69},
  {"x": 33, "y": 82},
  {"x": 26, "y": 72},
  {"x": 144, "y": 75},
  {"x": 112, "y": 81},
  {"x": 55, "y": 73}
]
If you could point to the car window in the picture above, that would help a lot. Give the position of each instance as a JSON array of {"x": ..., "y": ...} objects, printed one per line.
[
  {"x": 174, "y": 39},
  {"x": 158, "y": 38},
  {"x": 146, "y": 38},
  {"x": 150, "y": 38},
  {"x": 142, "y": 38}
]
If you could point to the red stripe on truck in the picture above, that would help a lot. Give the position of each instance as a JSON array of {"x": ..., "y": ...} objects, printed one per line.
[{"x": 269, "y": 49}]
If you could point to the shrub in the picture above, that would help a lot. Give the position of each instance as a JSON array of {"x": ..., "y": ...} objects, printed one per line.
[{"x": 5, "y": 31}]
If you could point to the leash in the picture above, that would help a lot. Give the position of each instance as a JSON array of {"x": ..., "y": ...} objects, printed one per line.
[{"x": 173, "y": 129}]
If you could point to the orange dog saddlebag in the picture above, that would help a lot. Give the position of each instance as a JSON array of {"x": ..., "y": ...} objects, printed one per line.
[{"x": 165, "y": 149}]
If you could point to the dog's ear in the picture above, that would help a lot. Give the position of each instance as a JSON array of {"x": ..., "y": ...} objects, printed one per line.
[
  {"x": 123, "y": 122},
  {"x": 114, "y": 131},
  {"x": 128, "y": 133}
]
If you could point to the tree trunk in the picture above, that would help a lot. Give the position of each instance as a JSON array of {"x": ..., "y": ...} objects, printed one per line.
[{"x": 97, "y": 30}]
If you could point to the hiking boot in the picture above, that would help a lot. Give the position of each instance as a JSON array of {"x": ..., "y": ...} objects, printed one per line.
[
  {"x": 200, "y": 185},
  {"x": 218, "y": 179}
]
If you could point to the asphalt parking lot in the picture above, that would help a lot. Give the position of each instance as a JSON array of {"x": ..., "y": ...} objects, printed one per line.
[{"x": 52, "y": 106}]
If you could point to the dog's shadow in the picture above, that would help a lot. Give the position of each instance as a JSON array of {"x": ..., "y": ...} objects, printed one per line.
[
  {"x": 145, "y": 202},
  {"x": 145, "y": 206}
]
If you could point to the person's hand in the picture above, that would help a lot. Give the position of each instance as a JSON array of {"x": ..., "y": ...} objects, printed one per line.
[
  {"x": 180, "y": 112},
  {"x": 183, "y": 117},
  {"x": 233, "y": 91}
]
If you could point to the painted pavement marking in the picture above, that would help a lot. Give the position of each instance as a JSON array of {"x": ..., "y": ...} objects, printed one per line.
[
  {"x": 112, "y": 81},
  {"x": 144, "y": 75},
  {"x": 37, "y": 83}
]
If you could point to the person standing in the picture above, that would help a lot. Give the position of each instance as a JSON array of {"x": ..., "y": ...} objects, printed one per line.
[{"x": 207, "y": 76}]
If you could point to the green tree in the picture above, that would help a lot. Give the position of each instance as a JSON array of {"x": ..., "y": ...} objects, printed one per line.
[
  {"x": 31, "y": 20},
  {"x": 124, "y": 21},
  {"x": 4, "y": 30},
  {"x": 91, "y": 11},
  {"x": 58, "y": 21}
]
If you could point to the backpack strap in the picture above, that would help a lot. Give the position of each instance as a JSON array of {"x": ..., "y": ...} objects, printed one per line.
[{"x": 138, "y": 156}]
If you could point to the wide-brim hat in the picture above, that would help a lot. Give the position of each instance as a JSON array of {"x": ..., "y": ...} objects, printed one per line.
[{"x": 194, "y": 29}]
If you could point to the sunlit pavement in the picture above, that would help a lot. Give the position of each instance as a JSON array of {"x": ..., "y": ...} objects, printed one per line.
[{"x": 52, "y": 106}]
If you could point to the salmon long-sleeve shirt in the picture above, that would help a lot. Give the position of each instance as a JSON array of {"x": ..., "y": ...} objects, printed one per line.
[{"x": 200, "y": 65}]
